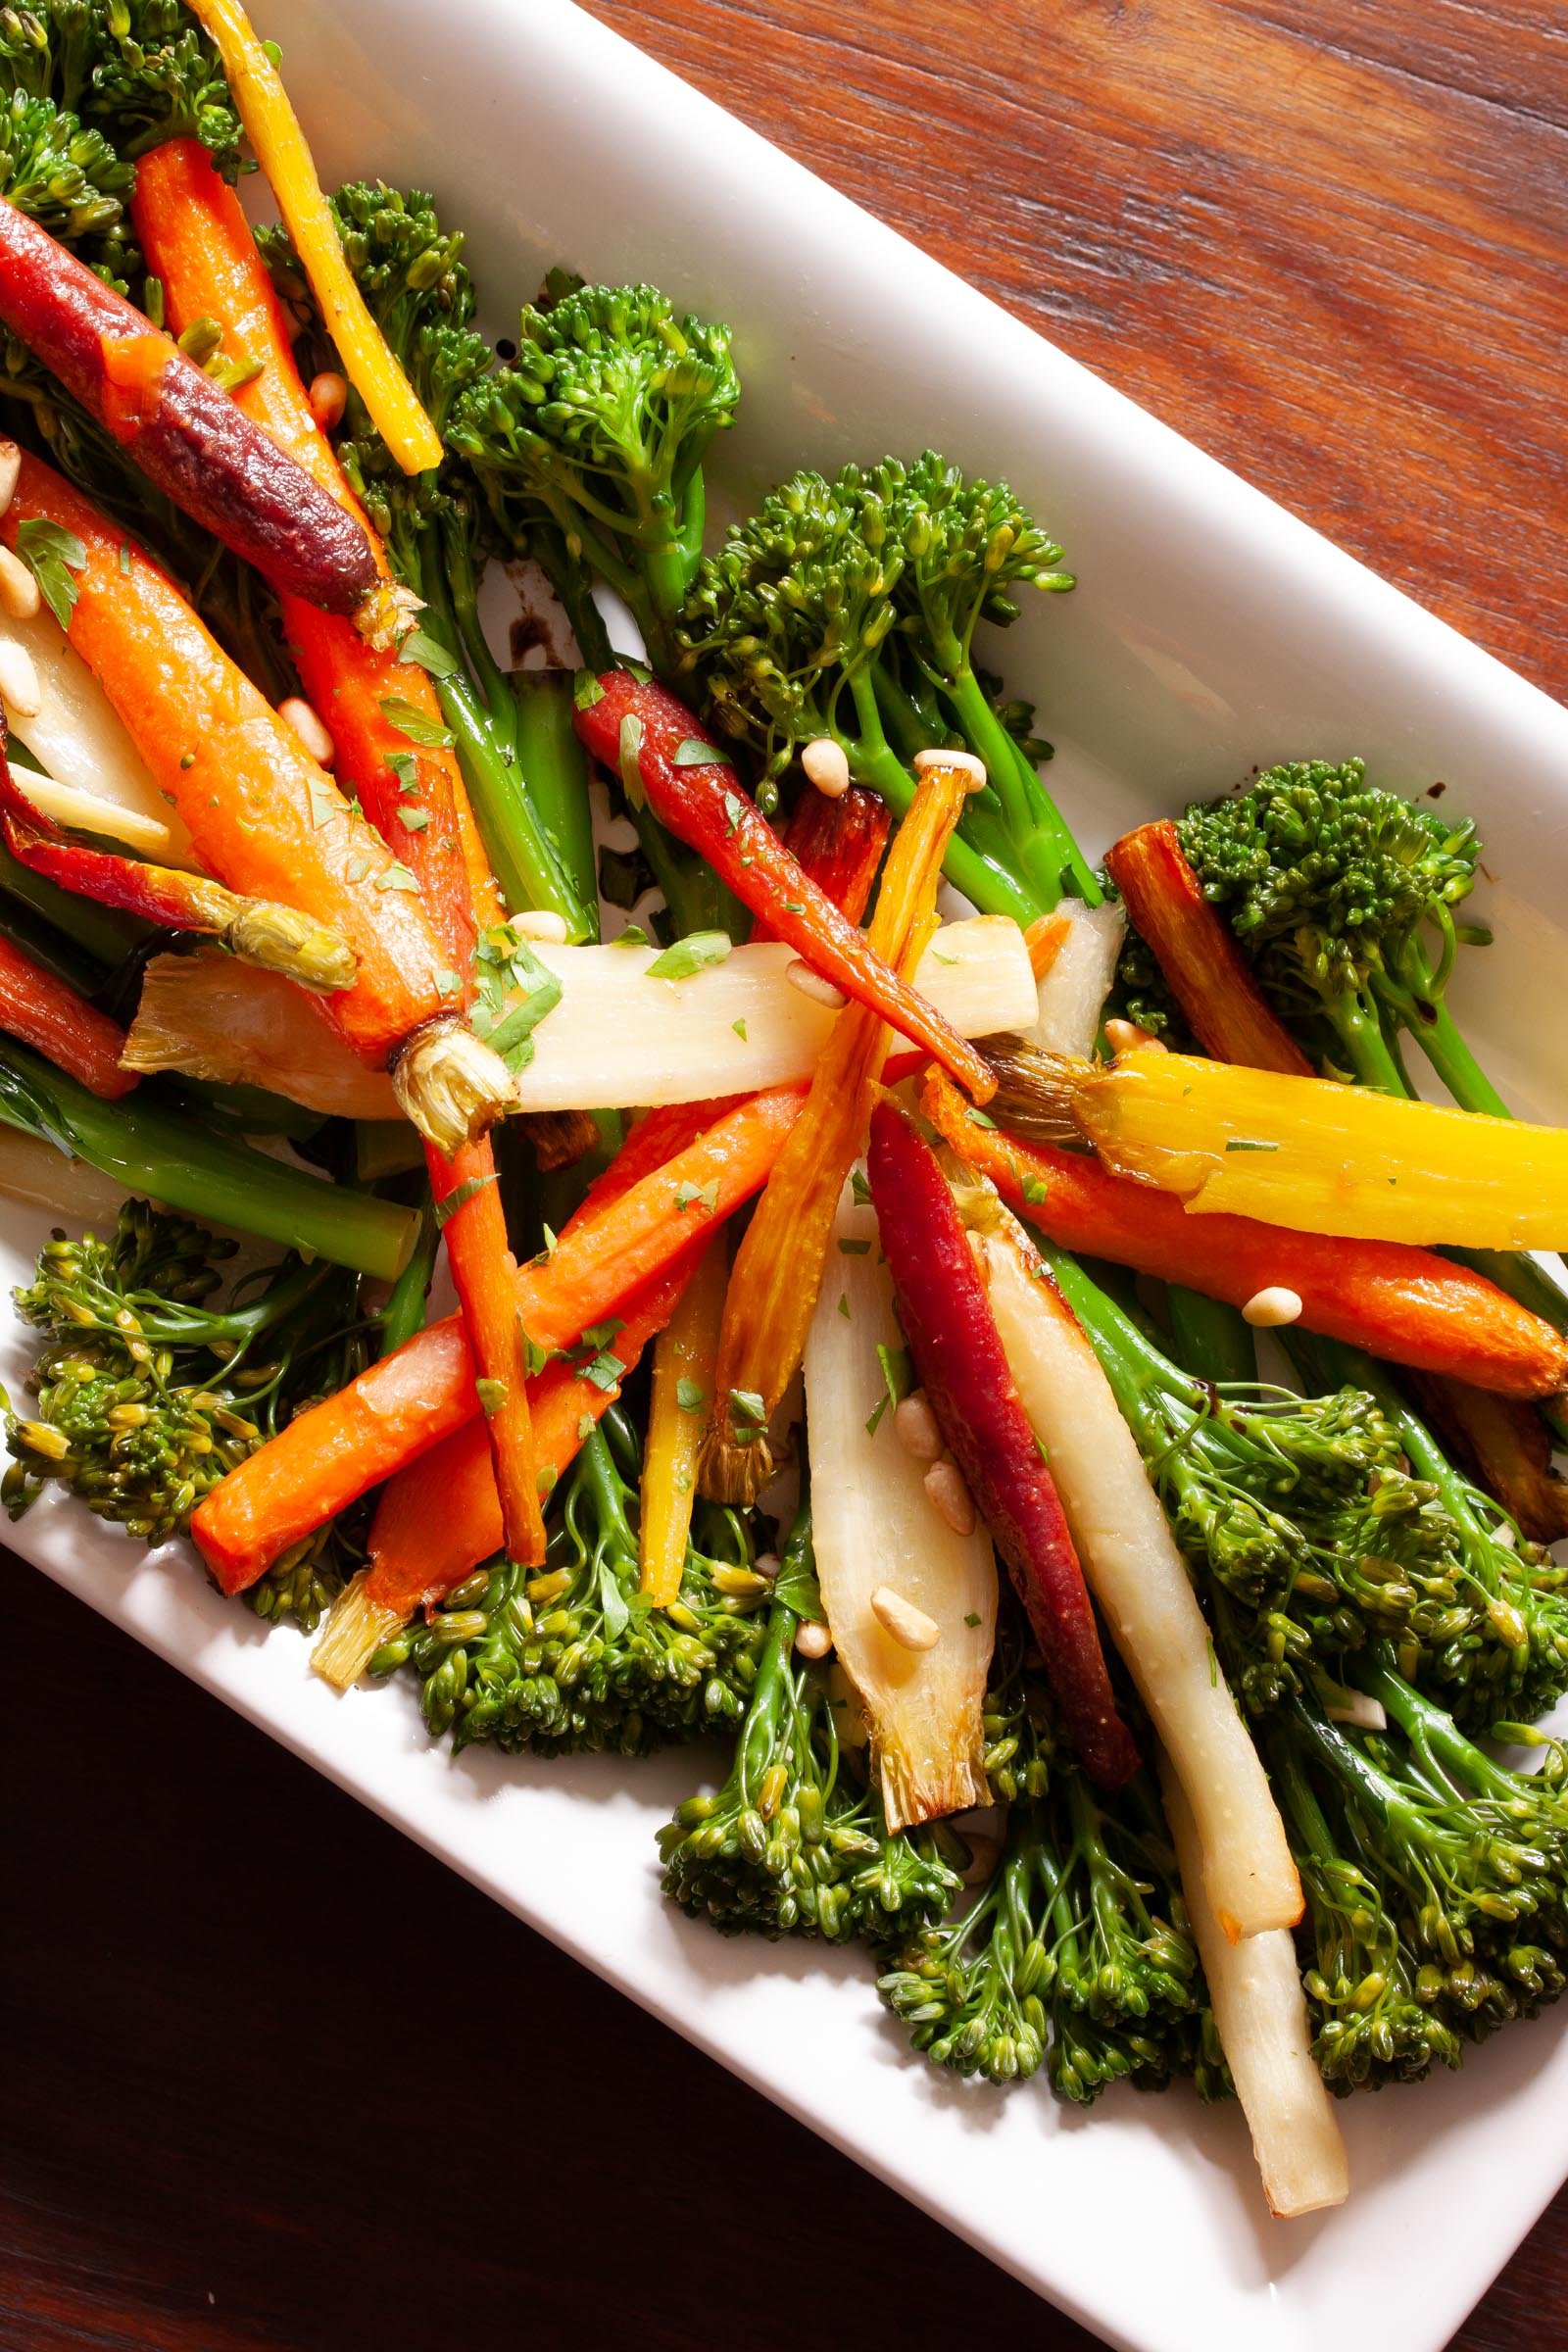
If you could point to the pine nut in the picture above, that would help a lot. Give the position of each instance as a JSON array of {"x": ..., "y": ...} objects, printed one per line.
[
  {"x": 964, "y": 761},
  {"x": 1275, "y": 1305},
  {"x": 19, "y": 590},
  {"x": 916, "y": 1426},
  {"x": 950, "y": 1498},
  {"x": 1125, "y": 1037},
  {"x": 9, "y": 468},
  {"x": 540, "y": 923},
  {"x": 811, "y": 1639},
  {"x": 910, "y": 1627},
  {"x": 766, "y": 1564},
  {"x": 306, "y": 721},
  {"x": 812, "y": 984},
  {"x": 19, "y": 680},
  {"x": 826, "y": 767},
  {"x": 328, "y": 395}
]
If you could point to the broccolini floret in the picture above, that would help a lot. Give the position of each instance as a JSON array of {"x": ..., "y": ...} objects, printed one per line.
[
  {"x": 142, "y": 68},
  {"x": 572, "y": 1657},
  {"x": 1435, "y": 1882},
  {"x": 793, "y": 1843},
  {"x": 847, "y": 609},
  {"x": 150, "y": 1388},
  {"x": 1344, "y": 896},
  {"x": 599, "y": 427}
]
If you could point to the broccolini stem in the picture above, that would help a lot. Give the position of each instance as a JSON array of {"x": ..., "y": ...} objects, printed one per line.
[
  {"x": 49, "y": 947},
  {"x": 555, "y": 770},
  {"x": 1051, "y": 861},
  {"x": 1372, "y": 1062},
  {"x": 873, "y": 763},
  {"x": 404, "y": 1312},
  {"x": 1433, "y": 1027},
  {"x": 101, "y": 932},
  {"x": 599, "y": 1478},
  {"x": 1210, "y": 1338},
  {"x": 170, "y": 1157}
]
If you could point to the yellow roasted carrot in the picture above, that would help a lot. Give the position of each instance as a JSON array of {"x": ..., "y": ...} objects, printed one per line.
[
  {"x": 779, "y": 1266},
  {"x": 684, "y": 1356},
  {"x": 1303, "y": 1153},
  {"x": 273, "y": 130}
]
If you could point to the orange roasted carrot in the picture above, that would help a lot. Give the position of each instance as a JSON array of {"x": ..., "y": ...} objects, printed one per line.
[
  {"x": 199, "y": 244},
  {"x": 1406, "y": 1304},
  {"x": 402, "y": 1405},
  {"x": 262, "y": 817},
  {"x": 430, "y": 1531},
  {"x": 47, "y": 1013},
  {"x": 1207, "y": 974}
]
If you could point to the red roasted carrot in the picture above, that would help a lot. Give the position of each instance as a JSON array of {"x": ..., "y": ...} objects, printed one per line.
[
  {"x": 1209, "y": 977},
  {"x": 641, "y": 726},
  {"x": 47, "y": 1013},
  {"x": 838, "y": 843},
  {"x": 1406, "y": 1304},
  {"x": 263, "y": 818},
  {"x": 199, "y": 244},
  {"x": 401, "y": 1407},
  {"x": 439, "y": 1518},
  {"x": 179, "y": 428},
  {"x": 963, "y": 1369}
]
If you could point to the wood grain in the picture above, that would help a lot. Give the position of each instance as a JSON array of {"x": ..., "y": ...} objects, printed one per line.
[{"x": 273, "y": 2078}]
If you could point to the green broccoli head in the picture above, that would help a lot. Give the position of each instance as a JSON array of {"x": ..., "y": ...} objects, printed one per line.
[
  {"x": 601, "y": 424},
  {"x": 967, "y": 544},
  {"x": 64, "y": 175},
  {"x": 142, "y": 70},
  {"x": 1332, "y": 887},
  {"x": 785, "y": 623}
]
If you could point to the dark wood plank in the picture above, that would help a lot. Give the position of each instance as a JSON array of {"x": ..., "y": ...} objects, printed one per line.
[{"x": 1324, "y": 240}]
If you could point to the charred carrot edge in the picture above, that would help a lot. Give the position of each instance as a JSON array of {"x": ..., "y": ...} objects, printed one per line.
[
  {"x": 1209, "y": 975},
  {"x": 402, "y": 1405},
  {"x": 51, "y": 1017},
  {"x": 703, "y": 806},
  {"x": 1406, "y": 1304},
  {"x": 963, "y": 1369},
  {"x": 430, "y": 1531},
  {"x": 176, "y": 425},
  {"x": 1506, "y": 1447}
]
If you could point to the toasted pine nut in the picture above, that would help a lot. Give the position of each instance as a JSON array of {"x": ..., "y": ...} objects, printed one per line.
[
  {"x": 826, "y": 766},
  {"x": 328, "y": 394},
  {"x": 10, "y": 467},
  {"x": 540, "y": 923},
  {"x": 1276, "y": 1304},
  {"x": 916, "y": 1426},
  {"x": 964, "y": 761},
  {"x": 950, "y": 1498},
  {"x": 812, "y": 984},
  {"x": 1125, "y": 1037},
  {"x": 811, "y": 1639},
  {"x": 19, "y": 680},
  {"x": 19, "y": 590},
  {"x": 306, "y": 721},
  {"x": 910, "y": 1627}
]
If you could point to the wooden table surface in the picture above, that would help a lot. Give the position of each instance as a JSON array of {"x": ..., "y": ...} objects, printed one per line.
[{"x": 275, "y": 2078}]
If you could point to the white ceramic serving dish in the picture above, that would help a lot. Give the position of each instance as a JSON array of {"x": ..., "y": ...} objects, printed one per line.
[{"x": 1211, "y": 631}]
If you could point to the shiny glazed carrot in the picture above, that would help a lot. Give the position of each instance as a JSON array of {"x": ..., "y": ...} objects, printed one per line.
[
  {"x": 1406, "y": 1304},
  {"x": 178, "y": 426},
  {"x": 628, "y": 722},
  {"x": 402, "y": 1405}
]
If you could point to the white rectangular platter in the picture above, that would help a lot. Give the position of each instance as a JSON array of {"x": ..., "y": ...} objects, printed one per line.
[{"x": 1211, "y": 631}]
